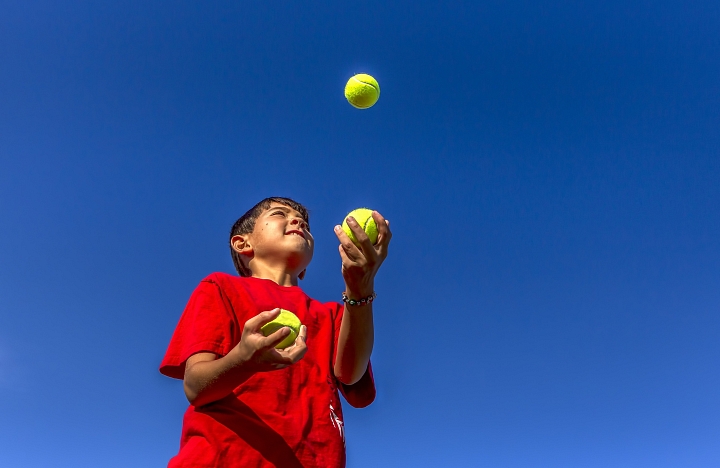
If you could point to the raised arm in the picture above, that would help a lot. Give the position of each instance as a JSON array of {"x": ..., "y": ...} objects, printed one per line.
[
  {"x": 360, "y": 264},
  {"x": 209, "y": 378}
]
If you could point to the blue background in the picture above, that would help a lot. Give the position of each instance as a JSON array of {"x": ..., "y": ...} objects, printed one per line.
[{"x": 550, "y": 169}]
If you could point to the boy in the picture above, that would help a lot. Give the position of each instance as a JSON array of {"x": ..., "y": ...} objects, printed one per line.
[{"x": 252, "y": 405}]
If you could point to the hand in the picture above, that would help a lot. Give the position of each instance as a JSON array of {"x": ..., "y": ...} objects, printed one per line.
[
  {"x": 361, "y": 264},
  {"x": 258, "y": 351}
]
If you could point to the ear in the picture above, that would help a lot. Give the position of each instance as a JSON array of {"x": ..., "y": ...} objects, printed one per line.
[
  {"x": 302, "y": 275},
  {"x": 241, "y": 244}
]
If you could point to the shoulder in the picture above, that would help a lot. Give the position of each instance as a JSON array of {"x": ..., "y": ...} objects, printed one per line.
[
  {"x": 220, "y": 277},
  {"x": 223, "y": 280},
  {"x": 223, "y": 283}
]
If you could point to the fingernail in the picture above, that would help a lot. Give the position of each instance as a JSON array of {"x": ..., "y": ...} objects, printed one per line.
[{"x": 337, "y": 228}]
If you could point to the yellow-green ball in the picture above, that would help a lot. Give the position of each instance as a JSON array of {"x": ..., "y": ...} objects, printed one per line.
[
  {"x": 285, "y": 319},
  {"x": 364, "y": 218},
  {"x": 362, "y": 91}
]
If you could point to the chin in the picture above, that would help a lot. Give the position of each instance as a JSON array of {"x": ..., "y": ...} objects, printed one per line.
[{"x": 302, "y": 255}]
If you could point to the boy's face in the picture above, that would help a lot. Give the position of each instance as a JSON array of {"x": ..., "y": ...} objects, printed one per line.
[{"x": 281, "y": 234}]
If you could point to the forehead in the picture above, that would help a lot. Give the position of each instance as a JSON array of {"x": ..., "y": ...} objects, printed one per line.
[{"x": 279, "y": 206}]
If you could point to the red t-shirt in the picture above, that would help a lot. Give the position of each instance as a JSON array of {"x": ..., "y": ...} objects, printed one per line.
[{"x": 288, "y": 418}]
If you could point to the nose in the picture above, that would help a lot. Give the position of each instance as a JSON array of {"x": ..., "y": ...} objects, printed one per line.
[{"x": 299, "y": 222}]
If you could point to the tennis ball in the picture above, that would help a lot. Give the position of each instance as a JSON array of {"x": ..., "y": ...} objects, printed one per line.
[
  {"x": 285, "y": 319},
  {"x": 362, "y": 91},
  {"x": 364, "y": 218}
]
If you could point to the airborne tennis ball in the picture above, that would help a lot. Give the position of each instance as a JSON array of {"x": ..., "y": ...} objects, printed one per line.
[
  {"x": 285, "y": 319},
  {"x": 362, "y": 91},
  {"x": 364, "y": 218}
]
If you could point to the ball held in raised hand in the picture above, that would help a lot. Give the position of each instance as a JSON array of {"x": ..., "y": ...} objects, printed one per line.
[{"x": 364, "y": 218}]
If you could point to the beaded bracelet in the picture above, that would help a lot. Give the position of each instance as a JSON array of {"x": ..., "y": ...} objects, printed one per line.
[{"x": 359, "y": 302}]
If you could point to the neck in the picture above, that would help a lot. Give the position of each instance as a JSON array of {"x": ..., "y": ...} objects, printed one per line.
[{"x": 281, "y": 276}]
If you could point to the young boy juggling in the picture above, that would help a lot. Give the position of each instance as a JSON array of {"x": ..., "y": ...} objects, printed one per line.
[{"x": 253, "y": 405}]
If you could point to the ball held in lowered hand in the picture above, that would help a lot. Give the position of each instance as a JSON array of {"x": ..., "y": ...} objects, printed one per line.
[{"x": 285, "y": 319}]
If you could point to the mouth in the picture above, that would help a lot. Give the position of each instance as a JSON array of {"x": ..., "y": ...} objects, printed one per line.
[{"x": 295, "y": 232}]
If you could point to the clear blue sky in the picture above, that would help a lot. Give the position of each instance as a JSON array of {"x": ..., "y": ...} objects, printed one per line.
[{"x": 550, "y": 168}]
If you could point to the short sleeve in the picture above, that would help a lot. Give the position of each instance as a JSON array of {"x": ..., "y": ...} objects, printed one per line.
[
  {"x": 207, "y": 324},
  {"x": 361, "y": 393}
]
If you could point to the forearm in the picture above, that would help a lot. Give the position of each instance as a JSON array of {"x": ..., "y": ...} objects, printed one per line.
[
  {"x": 360, "y": 263},
  {"x": 211, "y": 380},
  {"x": 355, "y": 343}
]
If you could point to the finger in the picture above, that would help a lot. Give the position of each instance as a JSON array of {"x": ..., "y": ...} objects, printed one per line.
[
  {"x": 384, "y": 236},
  {"x": 355, "y": 227},
  {"x": 298, "y": 349},
  {"x": 276, "y": 357},
  {"x": 275, "y": 338},
  {"x": 255, "y": 323},
  {"x": 383, "y": 225},
  {"x": 342, "y": 235},
  {"x": 364, "y": 243},
  {"x": 297, "y": 353},
  {"x": 347, "y": 262},
  {"x": 352, "y": 251},
  {"x": 302, "y": 336}
]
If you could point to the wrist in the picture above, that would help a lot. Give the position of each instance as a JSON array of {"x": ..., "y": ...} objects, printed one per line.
[
  {"x": 239, "y": 357},
  {"x": 357, "y": 291},
  {"x": 358, "y": 301}
]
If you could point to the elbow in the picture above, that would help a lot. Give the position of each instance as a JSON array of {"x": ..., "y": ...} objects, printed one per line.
[
  {"x": 200, "y": 397},
  {"x": 348, "y": 382},
  {"x": 349, "y": 378},
  {"x": 191, "y": 394},
  {"x": 350, "y": 371},
  {"x": 195, "y": 396}
]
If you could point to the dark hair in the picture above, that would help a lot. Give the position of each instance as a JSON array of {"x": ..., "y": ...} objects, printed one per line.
[{"x": 246, "y": 225}]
